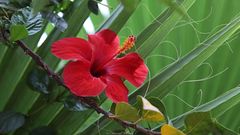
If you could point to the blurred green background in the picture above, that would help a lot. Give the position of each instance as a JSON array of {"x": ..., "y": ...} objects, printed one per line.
[{"x": 218, "y": 74}]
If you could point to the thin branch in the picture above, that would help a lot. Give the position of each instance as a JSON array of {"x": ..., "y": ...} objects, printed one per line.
[{"x": 86, "y": 100}]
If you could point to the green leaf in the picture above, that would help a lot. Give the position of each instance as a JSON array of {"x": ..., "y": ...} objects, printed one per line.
[
  {"x": 93, "y": 6},
  {"x": 120, "y": 15},
  {"x": 151, "y": 37},
  {"x": 10, "y": 121},
  {"x": 157, "y": 31},
  {"x": 160, "y": 105},
  {"x": 170, "y": 130},
  {"x": 18, "y": 32},
  {"x": 117, "y": 21},
  {"x": 167, "y": 80},
  {"x": 58, "y": 21},
  {"x": 54, "y": 113},
  {"x": 25, "y": 17},
  {"x": 112, "y": 109},
  {"x": 225, "y": 130},
  {"x": 198, "y": 122},
  {"x": 125, "y": 111},
  {"x": 63, "y": 5},
  {"x": 217, "y": 106},
  {"x": 72, "y": 103},
  {"x": 44, "y": 130},
  {"x": 201, "y": 123},
  {"x": 39, "y": 5},
  {"x": 130, "y": 4},
  {"x": 175, "y": 6},
  {"x": 148, "y": 111},
  {"x": 39, "y": 81}
]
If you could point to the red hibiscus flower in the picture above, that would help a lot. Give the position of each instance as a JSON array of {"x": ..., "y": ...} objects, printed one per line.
[{"x": 94, "y": 65}]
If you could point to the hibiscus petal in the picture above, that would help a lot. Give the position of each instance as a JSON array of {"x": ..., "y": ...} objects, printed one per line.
[
  {"x": 109, "y": 37},
  {"x": 105, "y": 45},
  {"x": 72, "y": 49},
  {"x": 116, "y": 90},
  {"x": 131, "y": 67},
  {"x": 79, "y": 80}
]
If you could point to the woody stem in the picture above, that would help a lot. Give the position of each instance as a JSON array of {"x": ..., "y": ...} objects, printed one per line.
[{"x": 86, "y": 100}]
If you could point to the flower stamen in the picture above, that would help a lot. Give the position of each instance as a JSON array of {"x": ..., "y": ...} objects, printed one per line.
[{"x": 127, "y": 44}]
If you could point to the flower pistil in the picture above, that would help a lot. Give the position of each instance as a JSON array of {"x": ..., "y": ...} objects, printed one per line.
[{"x": 127, "y": 44}]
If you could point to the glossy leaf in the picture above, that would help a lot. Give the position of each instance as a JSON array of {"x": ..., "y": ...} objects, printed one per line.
[
  {"x": 18, "y": 32},
  {"x": 25, "y": 17},
  {"x": 39, "y": 81},
  {"x": 10, "y": 121},
  {"x": 126, "y": 112},
  {"x": 160, "y": 105},
  {"x": 150, "y": 112},
  {"x": 72, "y": 103},
  {"x": 93, "y": 6},
  {"x": 170, "y": 130},
  {"x": 58, "y": 21},
  {"x": 51, "y": 114}
]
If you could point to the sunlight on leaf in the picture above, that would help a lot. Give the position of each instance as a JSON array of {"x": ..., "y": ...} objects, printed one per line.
[
  {"x": 169, "y": 130},
  {"x": 126, "y": 112},
  {"x": 150, "y": 112},
  {"x": 160, "y": 105},
  {"x": 18, "y": 32}
]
